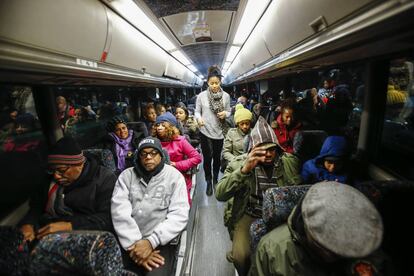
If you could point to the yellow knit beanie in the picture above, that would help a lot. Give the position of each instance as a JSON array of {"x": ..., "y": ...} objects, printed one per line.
[
  {"x": 242, "y": 114},
  {"x": 394, "y": 96}
]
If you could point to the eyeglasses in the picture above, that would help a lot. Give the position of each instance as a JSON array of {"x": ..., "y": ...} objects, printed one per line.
[
  {"x": 58, "y": 171},
  {"x": 152, "y": 154}
]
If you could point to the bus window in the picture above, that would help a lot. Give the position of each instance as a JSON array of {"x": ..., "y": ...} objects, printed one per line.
[
  {"x": 22, "y": 147},
  {"x": 397, "y": 142}
]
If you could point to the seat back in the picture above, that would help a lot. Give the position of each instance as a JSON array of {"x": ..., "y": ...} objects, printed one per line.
[
  {"x": 103, "y": 156},
  {"x": 393, "y": 200},
  {"x": 138, "y": 127},
  {"x": 308, "y": 143},
  {"x": 78, "y": 252}
]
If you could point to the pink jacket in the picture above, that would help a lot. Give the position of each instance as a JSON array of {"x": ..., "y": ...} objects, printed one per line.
[{"x": 184, "y": 155}]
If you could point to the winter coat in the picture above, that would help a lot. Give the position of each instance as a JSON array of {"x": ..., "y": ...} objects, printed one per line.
[
  {"x": 109, "y": 143},
  {"x": 313, "y": 170},
  {"x": 89, "y": 197},
  {"x": 238, "y": 186},
  {"x": 157, "y": 210},
  {"x": 233, "y": 144},
  {"x": 185, "y": 157},
  {"x": 280, "y": 253},
  {"x": 285, "y": 135},
  {"x": 191, "y": 131}
]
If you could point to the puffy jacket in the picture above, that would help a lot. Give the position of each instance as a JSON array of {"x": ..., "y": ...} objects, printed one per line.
[
  {"x": 313, "y": 170},
  {"x": 233, "y": 144},
  {"x": 89, "y": 197},
  {"x": 237, "y": 186},
  {"x": 185, "y": 157}
]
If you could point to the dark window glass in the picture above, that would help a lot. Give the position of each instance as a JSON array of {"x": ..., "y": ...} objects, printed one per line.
[
  {"x": 397, "y": 144},
  {"x": 22, "y": 147}
]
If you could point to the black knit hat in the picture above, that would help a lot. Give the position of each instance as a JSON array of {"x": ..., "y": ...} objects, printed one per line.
[
  {"x": 66, "y": 152},
  {"x": 111, "y": 124},
  {"x": 150, "y": 142}
]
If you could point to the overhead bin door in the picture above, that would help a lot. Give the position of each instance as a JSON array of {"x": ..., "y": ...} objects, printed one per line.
[
  {"x": 130, "y": 48},
  {"x": 74, "y": 27},
  {"x": 174, "y": 69},
  {"x": 294, "y": 20}
]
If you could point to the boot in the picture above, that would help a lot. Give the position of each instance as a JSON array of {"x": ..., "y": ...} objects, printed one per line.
[{"x": 209, "y": 190}]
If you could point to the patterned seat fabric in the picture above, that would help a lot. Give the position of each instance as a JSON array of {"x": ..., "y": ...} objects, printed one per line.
[
  {"x": 279, "y": 202},
  {"x": 258, "y": 229},
  {"x": 78, "y": 252},
  {"x": 103, "y": 156},
  {"x": 14, "y": 257}
]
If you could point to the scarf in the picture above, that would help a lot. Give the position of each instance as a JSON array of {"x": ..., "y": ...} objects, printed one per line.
[
  {"x": 123, "y": 148},
  {"x": 264, "y": 181},
  {"x": 216, "y": 106}
]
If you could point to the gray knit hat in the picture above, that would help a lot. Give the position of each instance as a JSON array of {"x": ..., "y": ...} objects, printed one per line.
[
  {"x": 342, "y": 220},
  {"x": 263, "y": 134}
]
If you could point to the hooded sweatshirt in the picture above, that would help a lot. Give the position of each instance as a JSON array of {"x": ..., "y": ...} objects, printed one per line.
[{"x": 314, "y": 171}]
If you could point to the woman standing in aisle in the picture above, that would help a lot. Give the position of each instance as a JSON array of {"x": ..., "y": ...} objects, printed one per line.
[{"x": 212, "y": 109}]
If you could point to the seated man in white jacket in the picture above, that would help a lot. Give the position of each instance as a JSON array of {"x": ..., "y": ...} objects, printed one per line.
[{"x": 149, "y": 208}]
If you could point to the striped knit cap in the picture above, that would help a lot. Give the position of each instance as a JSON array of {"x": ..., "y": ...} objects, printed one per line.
[
  {"x": 262, "y": 133},
  {"x": 65, "y": 152}
]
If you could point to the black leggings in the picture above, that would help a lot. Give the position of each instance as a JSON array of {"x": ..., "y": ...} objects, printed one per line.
[{"x": 211, "y": 151}]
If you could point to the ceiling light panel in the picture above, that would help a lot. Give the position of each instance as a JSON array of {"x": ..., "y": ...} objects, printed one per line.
[
  {"x": 180, "y": 57},
  {"x": 232, "y": 53},
  {"x": 252, "y": 13},
  {"x": 140, "y": 20}
]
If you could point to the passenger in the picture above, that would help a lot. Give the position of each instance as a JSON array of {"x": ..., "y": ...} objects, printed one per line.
[
  {"x": 122, "y": 142},
  {"x": 182, "y": 155},
  {"x": 22, "y": 141},
  {"x": 149, "y": 209},
  {"x": 160, "y": 109},
  {"x": 334, "y": 230},
  {"x": 189, "y": 125},
  {"x": 212, "y": 109},
  {"x": 330, "y": 164},
  {"x": 8, "y": 119},
  {"x": 64, "y": 110},
  {"x": 149, "y": 116},
  {"x": 310, "y": 109},
  {"x": 285, "y": 126},
  {"x": 246, "y": 179},
  {"x": 77, "y": 197},
  {"x": 234, "y": 141},
  {"x": 325, "y": 92}
]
